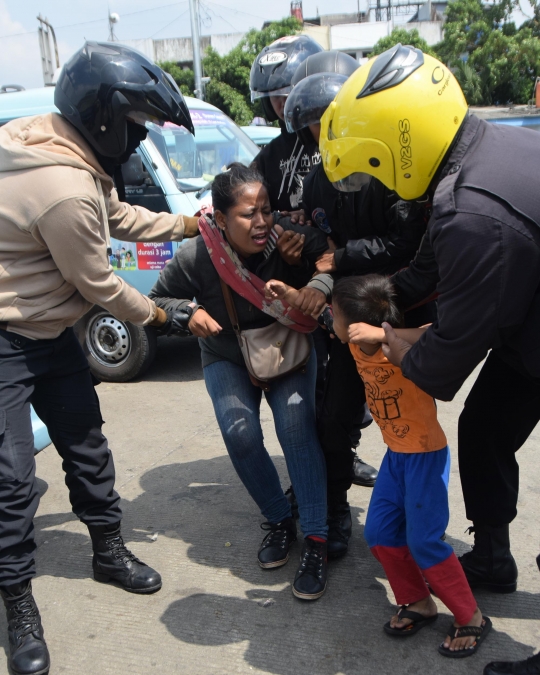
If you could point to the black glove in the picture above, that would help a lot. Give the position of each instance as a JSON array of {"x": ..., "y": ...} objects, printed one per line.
[{"x": 178, "y": 320}]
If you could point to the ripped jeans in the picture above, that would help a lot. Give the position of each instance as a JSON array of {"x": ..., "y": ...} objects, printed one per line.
[{"x": 292, "y": 401}]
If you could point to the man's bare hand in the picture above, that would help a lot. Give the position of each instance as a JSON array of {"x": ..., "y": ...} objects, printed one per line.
[
  {"x": 364, "y": 332},
  {"x": 290, "y": 245},
  {"x": 309, "y": 301},
  {"x": 326, "y": 262},
  {"x": 202, "y": 325},
  {"x": 297, "y": 217},
  {"x": 396, "y": 348}
]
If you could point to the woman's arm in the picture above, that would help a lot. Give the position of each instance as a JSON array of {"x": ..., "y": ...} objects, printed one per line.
[
  {"x": 174, "y": 292},
  {"x": 364, "y": 332},
  {"x": 307, "y": 300}
]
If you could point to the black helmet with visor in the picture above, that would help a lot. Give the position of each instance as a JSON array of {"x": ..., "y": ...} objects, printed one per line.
[
  {"x": 105, "y": 88},
  {"x": 273, "y": 69},
  {"x": 316, "y": 83}
]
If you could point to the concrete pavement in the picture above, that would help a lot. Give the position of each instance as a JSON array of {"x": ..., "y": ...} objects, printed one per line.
[{"x": 218, "y": 613}]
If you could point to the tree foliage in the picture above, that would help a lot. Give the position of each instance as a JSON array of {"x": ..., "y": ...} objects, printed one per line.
[
  {"x": 228, "y": 88},
  {"x": 493, "y": 60},
  {"x": 406, "y": 37},
  {"x": 184, "y": 77}
]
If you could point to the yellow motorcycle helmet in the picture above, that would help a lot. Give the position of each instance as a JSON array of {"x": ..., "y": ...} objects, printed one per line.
[{"x": 395, "y": 118}]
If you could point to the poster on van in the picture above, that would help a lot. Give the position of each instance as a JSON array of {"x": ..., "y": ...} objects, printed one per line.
[
  {"x": 124, "y": 256},
  {"x": 153, "y": 255}
]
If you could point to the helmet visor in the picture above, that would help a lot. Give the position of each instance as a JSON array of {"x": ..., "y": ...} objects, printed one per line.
[
  {"x": 310, "y": 98},
  {"x": 284, "y": 91},
  {"x": 142, "y": 118},
  {"x": 352, "y": 183}
]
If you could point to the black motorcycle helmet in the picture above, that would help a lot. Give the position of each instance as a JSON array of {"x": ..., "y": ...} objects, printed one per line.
[
  {"x": 273, "y": 70},
  {"x": 316, "y": 83},
  {"x": 106, "y": 88}
]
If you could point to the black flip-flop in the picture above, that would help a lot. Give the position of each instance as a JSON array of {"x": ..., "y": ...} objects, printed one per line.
[
  {"x": 478, "y": 632},
  {"x": 418, "y": 622}
]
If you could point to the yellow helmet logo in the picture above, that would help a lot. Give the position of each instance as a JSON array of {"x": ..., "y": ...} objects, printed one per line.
[{"x": 395, "y": 118}]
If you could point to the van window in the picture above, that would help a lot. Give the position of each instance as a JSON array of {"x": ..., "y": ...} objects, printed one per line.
[{"x": 195, "y": 160}]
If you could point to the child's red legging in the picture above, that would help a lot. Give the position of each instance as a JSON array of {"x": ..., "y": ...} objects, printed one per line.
[{"x": 408, "y": 515}]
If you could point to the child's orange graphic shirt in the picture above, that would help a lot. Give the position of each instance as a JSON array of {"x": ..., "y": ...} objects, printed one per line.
[{"x": 406, "y": 415}]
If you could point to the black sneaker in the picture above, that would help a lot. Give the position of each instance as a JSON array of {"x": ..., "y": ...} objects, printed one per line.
[
  {"x": 274, "y": 550},
  {"x": 339, "y": 530},
  {"x": 310, "y": 580},
  {"x": 362, "y": 473}
]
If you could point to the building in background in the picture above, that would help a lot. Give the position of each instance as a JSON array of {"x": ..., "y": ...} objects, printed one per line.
[
  {"x": 355, "y": 33},
  {"x": 180, "y": 50}
]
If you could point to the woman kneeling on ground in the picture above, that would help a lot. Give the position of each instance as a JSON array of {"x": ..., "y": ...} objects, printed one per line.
[{"x": 245, "y": 243}]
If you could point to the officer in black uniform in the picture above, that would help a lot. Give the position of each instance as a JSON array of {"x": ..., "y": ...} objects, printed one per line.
[
  {"x": 286, "y": 160},
  {"x": 374, "y": 231},
  {"x": 485, "y": 236}
]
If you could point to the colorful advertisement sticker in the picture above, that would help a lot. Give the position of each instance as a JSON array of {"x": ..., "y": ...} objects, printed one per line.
[
  {"x": 153, "y": 256},
  {"x": 124, "y": 256}
]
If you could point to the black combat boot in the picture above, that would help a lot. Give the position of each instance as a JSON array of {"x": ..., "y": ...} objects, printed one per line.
[
  {"x": 274, "y": 549},
  {"x": 339, "y": 524},
  {"x": 28, "y": 653},
  {"x": 310, "y": 580},
  {"x": 490, "y": 564},
  {"x": 114, "y": 562},
  {"x": 362, "y": 473}
]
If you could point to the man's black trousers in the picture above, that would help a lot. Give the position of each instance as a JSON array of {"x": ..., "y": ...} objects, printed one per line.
[
  {"x": 342, "y": 412},
  {"x": 54, "y": 377},
  {"x": 501, "y": 411}
]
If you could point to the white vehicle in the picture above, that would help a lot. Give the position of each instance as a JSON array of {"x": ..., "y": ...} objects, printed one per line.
[{"x": 171, "y": 171}]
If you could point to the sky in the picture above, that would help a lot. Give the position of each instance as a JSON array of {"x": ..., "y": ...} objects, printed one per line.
[{"x": 77, "y": 20}]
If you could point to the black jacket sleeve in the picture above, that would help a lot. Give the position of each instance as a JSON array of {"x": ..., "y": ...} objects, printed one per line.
[
  {"x": 398, "y": 228},
  {"x": 485, "y": 291},
  {"x": 419, "y": 280}
]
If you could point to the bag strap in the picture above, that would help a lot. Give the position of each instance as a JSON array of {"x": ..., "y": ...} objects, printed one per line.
[
  {"x": 229, "y": 304},
  {"x": 233, "y": 318}
]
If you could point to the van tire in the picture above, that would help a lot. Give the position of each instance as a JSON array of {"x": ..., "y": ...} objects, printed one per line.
[{"x": 117, "y": 351}]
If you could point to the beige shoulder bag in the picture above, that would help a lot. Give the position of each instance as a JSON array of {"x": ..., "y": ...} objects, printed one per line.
[{"x": 270, "y": 352}]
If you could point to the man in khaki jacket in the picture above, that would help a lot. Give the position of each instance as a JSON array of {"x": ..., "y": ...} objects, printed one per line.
[{"x": 58, "y": 208}]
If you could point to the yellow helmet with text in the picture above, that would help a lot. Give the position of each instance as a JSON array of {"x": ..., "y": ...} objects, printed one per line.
[{"x": 395, "y": 118}]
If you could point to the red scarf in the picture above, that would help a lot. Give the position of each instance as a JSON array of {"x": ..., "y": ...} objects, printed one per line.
[{"x": 249, "y": 286}]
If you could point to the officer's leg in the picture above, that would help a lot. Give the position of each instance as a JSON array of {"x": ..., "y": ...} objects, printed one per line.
[
  {"x": 66, "y": 401},
  {"x": 19, "y": 500},
  {"x": 344, "y": 398},
  {"x": 500, "y": 413}
]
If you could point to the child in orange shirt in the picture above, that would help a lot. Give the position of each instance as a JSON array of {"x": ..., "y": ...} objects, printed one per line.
[{"x": 408, "y": 513}]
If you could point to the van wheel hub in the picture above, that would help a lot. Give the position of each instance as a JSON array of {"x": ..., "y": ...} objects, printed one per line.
[{"x": 108, "y": 340}]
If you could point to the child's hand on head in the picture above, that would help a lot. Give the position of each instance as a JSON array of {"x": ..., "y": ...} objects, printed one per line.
[
  {"x": 364, "y": 332},
  {"x": 275, "y": 290}
]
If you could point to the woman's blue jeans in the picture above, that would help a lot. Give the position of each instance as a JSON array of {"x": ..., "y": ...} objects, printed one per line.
[{"x": 292, "y": 400}]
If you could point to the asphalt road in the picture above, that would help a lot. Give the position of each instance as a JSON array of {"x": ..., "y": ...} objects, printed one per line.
[{"x": 218, "y": 613}]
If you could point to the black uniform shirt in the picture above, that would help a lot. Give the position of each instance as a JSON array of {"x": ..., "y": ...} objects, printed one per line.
[
  {"x": 284, "y": 163},
  {"x": 485, "y": 234}
]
